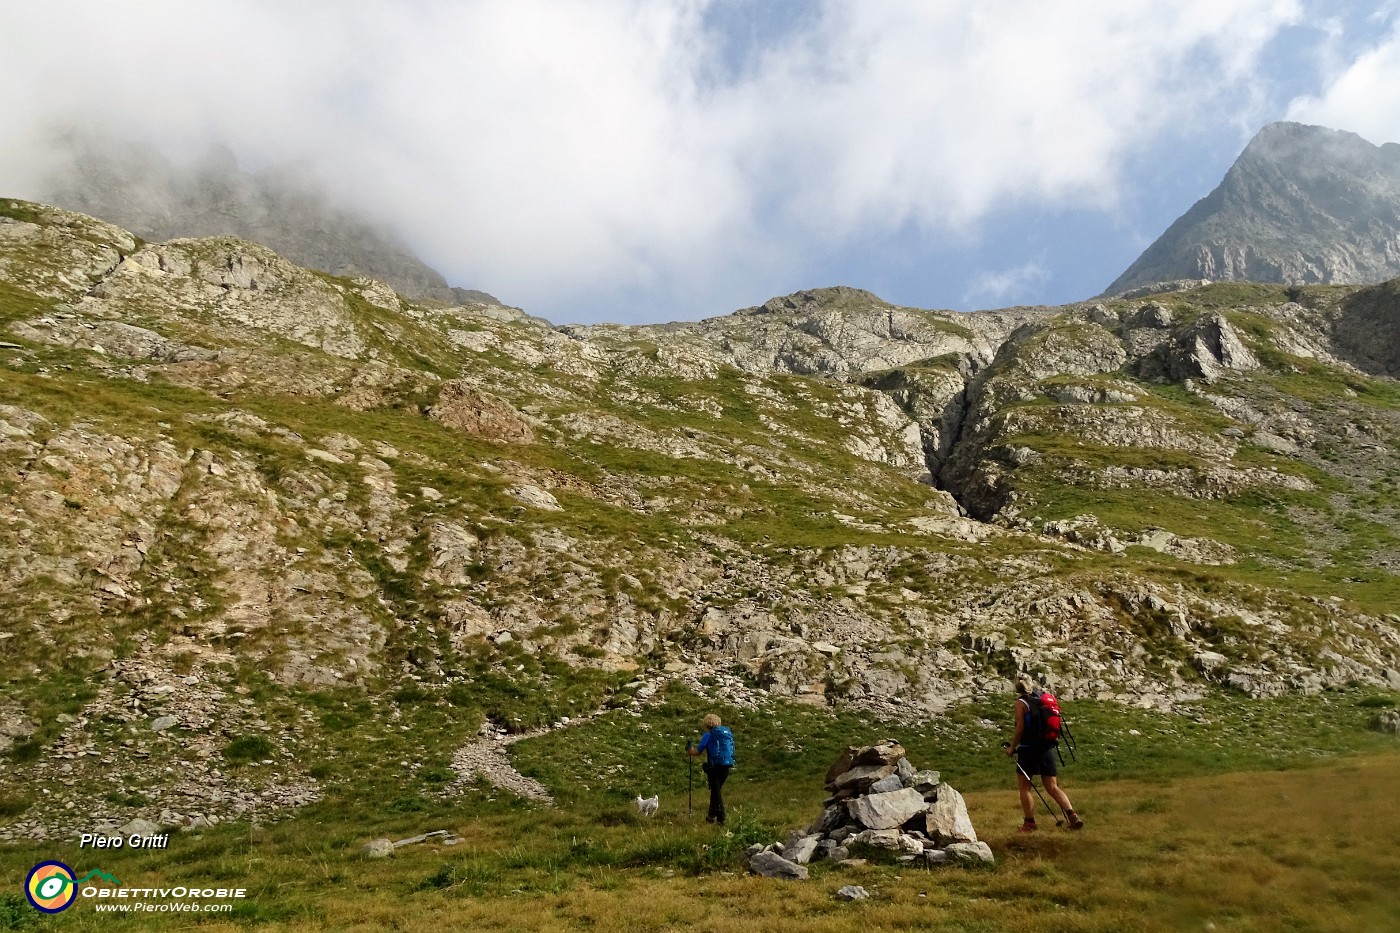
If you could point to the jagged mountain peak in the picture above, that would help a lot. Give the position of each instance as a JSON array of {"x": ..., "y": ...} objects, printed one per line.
[
  {"x": 1301, "y": 205},
  {"x": 1305, "y": 149}
]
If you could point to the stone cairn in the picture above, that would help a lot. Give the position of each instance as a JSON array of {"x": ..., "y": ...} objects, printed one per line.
[{"x": 878, "y": 800}]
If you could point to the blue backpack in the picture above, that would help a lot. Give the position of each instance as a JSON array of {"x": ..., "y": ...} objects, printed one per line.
[{"x": 721, "y": 747}]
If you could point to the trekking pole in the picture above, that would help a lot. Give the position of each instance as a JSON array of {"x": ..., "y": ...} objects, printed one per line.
[
  {"x": 689, "y": 783},
  {"x": 1058, "y": 821}
]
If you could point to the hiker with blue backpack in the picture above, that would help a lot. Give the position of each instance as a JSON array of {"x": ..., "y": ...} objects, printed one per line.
[
  {"x": 1035, "y": 744},
  {"x": 718, "y": 745}
]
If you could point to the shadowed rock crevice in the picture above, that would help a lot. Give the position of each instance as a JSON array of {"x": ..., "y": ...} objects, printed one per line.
[{"x": 935, "y": 397}]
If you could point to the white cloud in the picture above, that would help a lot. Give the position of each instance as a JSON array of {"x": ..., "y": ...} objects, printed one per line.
[
  {"x": 560, "y": 153},
  {"x": 999, "y": 287},
  {"x": 893, "y": 112},
  {"x": 1362, "y": 94}
]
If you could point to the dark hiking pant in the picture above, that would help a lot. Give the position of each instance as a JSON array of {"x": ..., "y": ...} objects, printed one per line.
[{"x": 714, "y": 776}]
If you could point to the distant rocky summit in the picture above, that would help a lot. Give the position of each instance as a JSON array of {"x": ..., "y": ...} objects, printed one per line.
[
  {"x": 281, "y": 207},
  {"x": 1302, "y": 205}
]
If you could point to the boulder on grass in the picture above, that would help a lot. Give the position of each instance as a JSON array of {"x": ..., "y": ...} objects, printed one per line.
[
  {"x": 971, "y": 853},
  {"x": 773, "y": 865},
  {"x": 378, "y": 848},
  {"x": 139, "y": 827}
]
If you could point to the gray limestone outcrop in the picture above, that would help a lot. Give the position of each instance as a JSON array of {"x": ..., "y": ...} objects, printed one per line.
[{"x": 461, "y": 405}]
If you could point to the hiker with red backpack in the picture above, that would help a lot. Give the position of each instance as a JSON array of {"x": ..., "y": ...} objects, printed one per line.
[{"x": 1034, "y": 745}]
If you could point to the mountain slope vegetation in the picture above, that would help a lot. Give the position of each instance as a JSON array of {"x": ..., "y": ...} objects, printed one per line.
[{"x": 260, "y": 519}]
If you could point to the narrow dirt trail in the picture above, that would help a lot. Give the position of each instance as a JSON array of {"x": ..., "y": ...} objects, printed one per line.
[{"x": 488, "y": 756}]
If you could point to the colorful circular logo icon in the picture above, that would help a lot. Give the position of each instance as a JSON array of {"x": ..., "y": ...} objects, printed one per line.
[{"x": 50, "y": 887}]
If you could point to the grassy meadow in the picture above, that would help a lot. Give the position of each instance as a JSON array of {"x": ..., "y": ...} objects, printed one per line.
[{"x": 1235, "y": 815}]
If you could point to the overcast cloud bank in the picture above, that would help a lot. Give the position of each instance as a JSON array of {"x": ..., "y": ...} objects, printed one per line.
[{"x": 620, "y": 159}]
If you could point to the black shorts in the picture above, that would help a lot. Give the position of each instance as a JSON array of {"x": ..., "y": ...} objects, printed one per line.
[{"x": 1033, "y": 762}]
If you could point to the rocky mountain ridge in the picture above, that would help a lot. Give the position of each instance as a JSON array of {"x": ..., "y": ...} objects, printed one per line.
[
  {"x": 281, "y": 207},
  {"x": 1302, "y": 205},
  {"x": 241, "y": 498}
]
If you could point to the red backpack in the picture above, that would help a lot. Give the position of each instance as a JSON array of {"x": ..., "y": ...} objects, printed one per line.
[{"x": 1045, "y": 725}]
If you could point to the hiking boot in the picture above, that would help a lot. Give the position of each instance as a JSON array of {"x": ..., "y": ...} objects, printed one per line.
[
  {"x": 1074, "y": 821},
  {"x": 1028, "y": 827}
]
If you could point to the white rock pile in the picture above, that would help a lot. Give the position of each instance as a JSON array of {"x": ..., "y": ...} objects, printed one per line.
[{"x": 879, "y": 800}]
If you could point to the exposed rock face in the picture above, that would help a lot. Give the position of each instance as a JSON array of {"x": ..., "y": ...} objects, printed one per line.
[
  {"x": 1367, "y": 329},
  {"x": 242, "y": 283},
  {"x": 113, "y": 337},
  {"x": 462, "y": 406},
  {"x": 1206, "y": 350},
  {"x": 1301, "y": 205}
]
